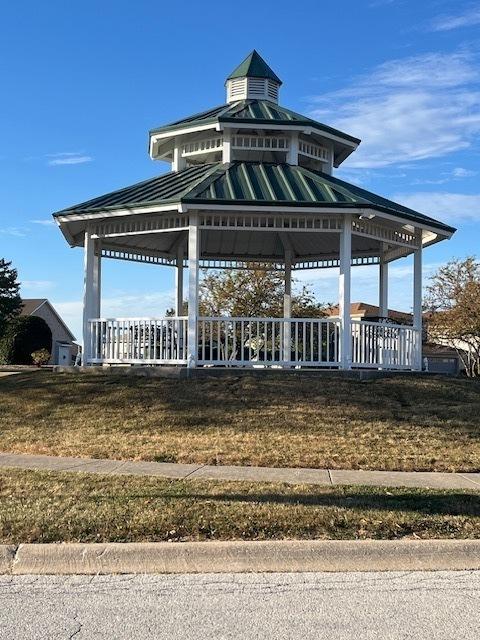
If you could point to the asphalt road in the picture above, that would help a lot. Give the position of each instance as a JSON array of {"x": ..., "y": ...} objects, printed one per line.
[{"x": 386, "y": 606}]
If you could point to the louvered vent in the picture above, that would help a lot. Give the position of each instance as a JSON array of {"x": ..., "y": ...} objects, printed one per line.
[
  {"x": 236, "y": 89},
  {"x": 252, "y": 88},
  {"x": 256, "y": 88},
  {"x": 272, "y": 90}
]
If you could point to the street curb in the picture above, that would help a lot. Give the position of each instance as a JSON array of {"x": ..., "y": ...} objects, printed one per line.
[
  {"x": 7, "y": 555},
  {"x": 238, "y": 556}
]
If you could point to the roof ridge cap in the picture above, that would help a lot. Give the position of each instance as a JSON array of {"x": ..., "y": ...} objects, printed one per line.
[{"x": 207, "y": 178}]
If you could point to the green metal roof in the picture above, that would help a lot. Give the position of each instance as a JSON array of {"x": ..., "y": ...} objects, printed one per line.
[
  {"x": 254, "y": 66},
  {"x": 253, "y": 183},
  {"x": 168, "y": 187},
  {"x": 252, "y": 112}
]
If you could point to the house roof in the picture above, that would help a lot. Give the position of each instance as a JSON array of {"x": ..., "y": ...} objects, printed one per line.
[
  {"x": 252, "y": 112},
  {"x": 31, "y": 305},
  {"x": 253, "y": 183},
  {"x": 254, "y": 66},
  {"x": 370, "y": 310},
  {"x": 440, "y": 350}
]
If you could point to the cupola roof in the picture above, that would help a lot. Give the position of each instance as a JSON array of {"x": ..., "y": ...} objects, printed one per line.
[{"x": 254, "y": 66}]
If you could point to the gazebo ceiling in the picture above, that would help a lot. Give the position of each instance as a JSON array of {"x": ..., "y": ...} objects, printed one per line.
[{"x": 254, "y": 246}]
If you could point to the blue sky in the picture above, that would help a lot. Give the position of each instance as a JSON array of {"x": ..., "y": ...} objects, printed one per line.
[{"x": 82, "y": 83}]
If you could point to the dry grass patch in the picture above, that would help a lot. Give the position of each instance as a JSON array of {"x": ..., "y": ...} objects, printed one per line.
[
  {"x": 74, "y": 507},
  {"x": 401, "y": 423}
]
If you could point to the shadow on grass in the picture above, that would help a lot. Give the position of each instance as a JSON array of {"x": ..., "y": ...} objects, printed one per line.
[{"x": 453, "y": 504}]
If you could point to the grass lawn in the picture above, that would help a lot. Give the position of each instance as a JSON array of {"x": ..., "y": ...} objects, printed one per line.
[
  {"x": 402, "y": 423},
  {"x": 38, "y": 506}
]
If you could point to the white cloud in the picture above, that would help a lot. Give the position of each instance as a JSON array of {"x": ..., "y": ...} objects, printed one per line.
[
  {"x": 408, "y": 109},
  {"x": 460, "y": 172},
  {"x": 446, "y": 23},
  {"x": 13, "y": 231},
  {"x": 67, "y": 158},
  {"x": 46, "y": 222},
  {"x": 450, "y": 207},
  {"x": 36, "y": 285}
]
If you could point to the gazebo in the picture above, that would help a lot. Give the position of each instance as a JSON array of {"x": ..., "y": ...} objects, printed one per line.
[{"x": 251, "y": 186}]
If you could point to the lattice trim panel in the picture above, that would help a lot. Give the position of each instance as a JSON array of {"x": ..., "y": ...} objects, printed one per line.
[
  {"x": 140, "y": 226},
  {"x": 133, "y": 256},
  {"x": 391, "y": 235},
  {"x": 312, "y": 150},
  {"x": 267, "y": 223}
]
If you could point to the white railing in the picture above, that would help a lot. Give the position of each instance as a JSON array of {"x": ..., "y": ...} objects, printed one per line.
[
  {"x": 263, "y": 143},
  {"x": 202, "y": 146},
  {"x": 137, "y": 341},
  {"x": 268, "y": 341},
  {"x": 262, "y": 342},
  {"x": 313, "y": 150},
  {"x": 383, "y": 345}
]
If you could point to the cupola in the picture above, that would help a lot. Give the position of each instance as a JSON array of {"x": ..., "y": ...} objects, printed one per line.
[{"x": 253, "y": 79}]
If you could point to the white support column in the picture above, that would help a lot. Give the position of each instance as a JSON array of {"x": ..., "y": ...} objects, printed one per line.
[
  {"x": 97, "y": 279},
  {"x": 344, "y": 293},
  {"x": 227, "y": 146},
  {"x": 328, "y": 167},
  {"x": 179, "y": 162},
  {"x": 179, "y": 282},
  {"x": 88, "y": 292},
  {"x": 417, "y": 306},
  {"x": 383, "y": 286},
  {"x": 292, "y": 154},
  {"x": 193, "y": 279},
  {"x": 287, "y": 307}
]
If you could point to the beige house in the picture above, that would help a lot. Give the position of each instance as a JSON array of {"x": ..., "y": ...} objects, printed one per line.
[
  {"x": 63, "y": 349},
  {"x": 365, "y": 311}
]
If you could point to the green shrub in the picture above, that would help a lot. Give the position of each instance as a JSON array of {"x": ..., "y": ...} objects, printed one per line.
[
  {"x": 41, "y": 356},
  {"x": 22, "y": 337}
]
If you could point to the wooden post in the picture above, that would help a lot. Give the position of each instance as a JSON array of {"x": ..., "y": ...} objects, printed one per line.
[
  {"x": 88, "y": 293},
  {"x": 287, "y": 307},
  {"x": 344, "y": 293},
  {"x": 383, "y": 287},
  {"x": 227, "y": 146},
  {"x": 179, "y": 282},
  {"x": 417, "y": 306},
  {"x": 292, "y": 154},
  {"x": 179, "y": 162},
  {"x": 193, "y": 273}
]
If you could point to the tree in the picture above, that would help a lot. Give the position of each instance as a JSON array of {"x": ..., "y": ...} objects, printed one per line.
[
  {"x": 453, "y": 303},
  {"x": 253, "y": 293},
  {"x": 249, "y": 294},
  {"x": 10, "y": 301},
  {"x": 23, "y": 336}
]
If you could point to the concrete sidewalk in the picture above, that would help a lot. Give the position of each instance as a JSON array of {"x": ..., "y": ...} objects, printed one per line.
[{"x": 324, "y": 477}]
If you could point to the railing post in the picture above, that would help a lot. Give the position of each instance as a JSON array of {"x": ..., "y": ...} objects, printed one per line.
[
  {"x": 193, "y": 273},
  {"x": 287, "y": 308},
  {"x": 344, "y": 293},
  {"x": 88, "y": 293},
  {"x": 417, "y": 307}
]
